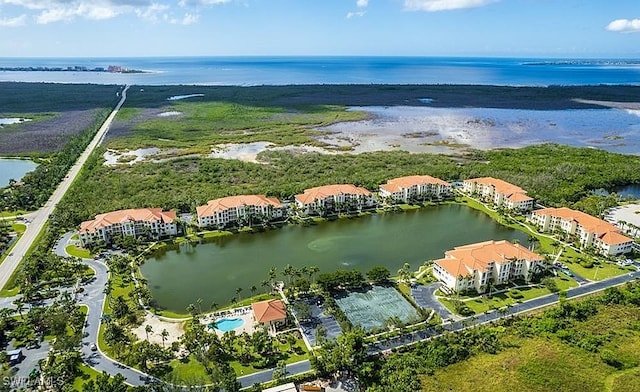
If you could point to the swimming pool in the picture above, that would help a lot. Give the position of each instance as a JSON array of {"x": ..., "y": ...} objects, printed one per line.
[{"x": 226, "y": 324}]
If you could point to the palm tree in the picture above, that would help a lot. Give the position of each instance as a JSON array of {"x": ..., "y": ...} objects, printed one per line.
[
  {"x": 214, "y": 305},
  {"x": 265, "y": 283},
  {"x": 199, "y": 302},
  {"x": 288, "y": 271},
  {"x": 164, "y": 335},
  {"x": 19, "y": 303},
  {"x": 272, "y": 274},
  {"x": 148, "y": 329},
  {"x": 238, "y": 291},
  {"x": 313, "y": 270},
  {"x": 191, "y": 308},
  {"x": 253, "y": 290}
]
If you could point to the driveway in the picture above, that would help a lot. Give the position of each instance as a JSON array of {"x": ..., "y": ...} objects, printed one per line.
[{"x": 425, "y": 297}]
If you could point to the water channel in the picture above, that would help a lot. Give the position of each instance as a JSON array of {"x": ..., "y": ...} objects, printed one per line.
[
  {"x": 14, "y": 169},
  {"x": 214, "y": 271}
]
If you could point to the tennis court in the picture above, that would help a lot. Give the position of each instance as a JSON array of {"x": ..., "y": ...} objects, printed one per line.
[{"x": 373, "y": 308}]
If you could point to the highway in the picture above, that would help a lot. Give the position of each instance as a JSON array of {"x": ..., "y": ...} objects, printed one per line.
[{"x": 40, "y": 217}]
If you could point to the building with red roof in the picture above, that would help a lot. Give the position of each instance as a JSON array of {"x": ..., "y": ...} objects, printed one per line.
[
  {"x": 151, "y": 222},
  {"x": 242, "y": 208},
  {"x": 404, "y": 189},
  {"x": 588, "y": 230},
  {"x": 327, "y": 199},
  {"x": 269, "y": 313},
  {"x": 476, "y": 266},
  {"x": 499, "y": 192}
]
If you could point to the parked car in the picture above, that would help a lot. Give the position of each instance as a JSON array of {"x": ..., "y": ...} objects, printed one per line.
[{"x": 93, "y": 347}]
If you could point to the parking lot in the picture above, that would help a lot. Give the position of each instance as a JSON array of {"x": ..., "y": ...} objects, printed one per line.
[{"x": 318, "y": 318}]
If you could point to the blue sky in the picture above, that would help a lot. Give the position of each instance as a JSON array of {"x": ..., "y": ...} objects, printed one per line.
[{"x": 518, "y": 28}]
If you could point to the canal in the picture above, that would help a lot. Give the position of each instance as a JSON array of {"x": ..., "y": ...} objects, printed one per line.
[{"x": 214, "y": 271}]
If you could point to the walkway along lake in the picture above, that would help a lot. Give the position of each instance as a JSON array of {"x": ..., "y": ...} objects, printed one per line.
[{"x": 214, "y": 271}]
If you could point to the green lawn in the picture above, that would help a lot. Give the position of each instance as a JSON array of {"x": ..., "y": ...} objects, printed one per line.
[
  {"x": 482, "y": 304},
  {"x": 18, "y": 227},
  {"x": 78, "y": 252},
  {"x": 604, "y": 271},
  {"x": 87, "y": 374}
]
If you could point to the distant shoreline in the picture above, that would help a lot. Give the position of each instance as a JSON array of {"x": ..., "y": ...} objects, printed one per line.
[{"x": 74, "y": 68}]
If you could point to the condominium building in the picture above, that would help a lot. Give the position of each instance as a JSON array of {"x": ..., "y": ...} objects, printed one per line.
[
  {"x": 151, "y": 222},
  {"x": 499, "y": 192},
  {"x": 476, "y": 266},
  {"x": 327, "y": 199},
  {"x": 239, "y": 210},
  {"x": 587, "y": 230},
  {"x": 404, "y": 189}
]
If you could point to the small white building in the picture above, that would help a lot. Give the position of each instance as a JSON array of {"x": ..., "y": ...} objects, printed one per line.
[
  {"x": 334, "y": 198},
  {"x": 151, "y": 222},
  {"x": 239, "y": 209},
  {"x": 404, "y": 189},
  {"x": 475, "y": 266},
  {"x": 499, "y": 192}
]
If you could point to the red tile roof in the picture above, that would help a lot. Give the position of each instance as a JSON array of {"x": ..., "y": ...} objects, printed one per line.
[
  {"x": 130, "y": 215},
  {"x": 463, "y": 260},
  {"x": 605, "y": 231},
  {"x": 226, "y": 203},
  {"x": 269, "y": 310},
  {"x": 397, "y": 184},
  {"x": 322, "y": 192}
]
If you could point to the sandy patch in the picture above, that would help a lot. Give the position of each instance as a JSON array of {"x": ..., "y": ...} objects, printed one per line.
[
  {"x": 169, "y": 114},
  {"x": 626, "y": 217},
  {"x": 112, "y": 157},
  {"x": 9, "y": 121},
  {"x": 175, "y": 330},
  {"x": 179, "y": 97}
]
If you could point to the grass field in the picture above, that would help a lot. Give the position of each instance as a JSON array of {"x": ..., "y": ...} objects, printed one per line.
[
  {"x": 78, "y": 252},
  {"x": 203, "y": 124},
  {"x": 541, "y": 364}
]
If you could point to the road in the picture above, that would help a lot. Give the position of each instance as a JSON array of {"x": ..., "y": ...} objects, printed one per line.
[{"x": 40, "y": 217}]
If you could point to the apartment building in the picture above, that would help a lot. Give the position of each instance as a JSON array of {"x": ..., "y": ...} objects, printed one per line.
[
  {"x": 587, "y": 230},
  {"x": 151, "y": 222},
  {"x": 475, "y": 266},
  {"x": 499, "y": 192},
  {"x": 405, "y": 189},
  {"x": 329, "y": 199},
  {"x": 241, "y": 209}
]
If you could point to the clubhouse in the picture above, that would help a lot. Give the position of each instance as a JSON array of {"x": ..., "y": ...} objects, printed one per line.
[
  {"x": 477, "y": 266},
  {"x": 323, "y": 200},
  {"x": 241, "y": 209},
  {"x": 499, "y": 192},
  {"x": 588, "y": 230},
  {"x": 405, "y": 189},
  {"x": 151, "y": 222}
]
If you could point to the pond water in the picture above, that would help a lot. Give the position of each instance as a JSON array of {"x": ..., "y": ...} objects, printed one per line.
[
  {"x": 420, "y": 128},
  {"x": 628, "y": 190},
  {"x": 14, "y": 169},
  {"x": 214, "y": 271}
]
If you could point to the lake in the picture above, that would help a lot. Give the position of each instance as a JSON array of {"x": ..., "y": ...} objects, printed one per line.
[
  {"x": 14, "y": 169},
  {"x": 628, "y": 191},
  {"x": 214, "y": 270}
]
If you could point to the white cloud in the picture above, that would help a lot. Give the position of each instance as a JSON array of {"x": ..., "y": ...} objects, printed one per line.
[
  {"x": 444, "y": 5},
  {"x": 13, "y": 22},
  {"x": 49, "y": 11},
  {"x": 196, "y": 3},
  {"x": 625, "y": 25},
  {"x": 358, "y": 13},
  {"x": 362, "y": 3}
]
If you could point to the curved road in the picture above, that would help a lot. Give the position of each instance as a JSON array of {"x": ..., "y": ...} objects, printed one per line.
[{"x": 41, "y": 216}]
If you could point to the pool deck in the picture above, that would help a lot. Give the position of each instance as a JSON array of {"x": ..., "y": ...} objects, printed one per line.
[{"x": 244, "y": 313}]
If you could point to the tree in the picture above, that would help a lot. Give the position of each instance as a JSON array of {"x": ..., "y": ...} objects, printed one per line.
[
  {"x": 164, "y": 335},
  {"x": 105, "y": 383},
  {"x": 405, "y": 272},
  {"x": 253, "y": 290},
  {"x": 19, "y": 303},
  {"x": 120, "y": 307},
  {"x": 280, "y": 372},
  {"x": 302, "y": 310},
  {"x": 238, "y": 291},
  {"x": 148, "y": 329},
  {"x": 379, "y": 275},
  {"x": 192, "y": 309},
  {"x": 550, "y": 284}
]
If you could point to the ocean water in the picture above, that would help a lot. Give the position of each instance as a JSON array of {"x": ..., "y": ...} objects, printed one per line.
[{"x": 332, "y": 70}]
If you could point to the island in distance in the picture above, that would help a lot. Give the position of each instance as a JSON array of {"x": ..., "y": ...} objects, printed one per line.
[{"x": 74, "y": 68}]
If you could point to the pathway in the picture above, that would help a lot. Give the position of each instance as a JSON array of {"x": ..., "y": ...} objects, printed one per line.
[
  {"x": 41, "y": 216},
  {"x": 425, "y": 297}
]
